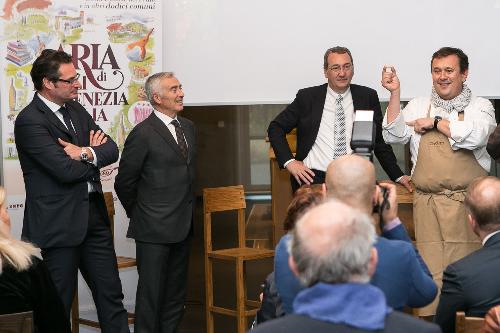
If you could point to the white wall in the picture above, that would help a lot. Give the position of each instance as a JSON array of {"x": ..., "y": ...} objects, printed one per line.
[{"x": 263, "y": 51}]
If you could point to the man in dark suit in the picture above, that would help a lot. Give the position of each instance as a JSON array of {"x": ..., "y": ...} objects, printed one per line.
[
  {"x": 471, "y": 283},
  {"x": 323, "y": 116},
  {"x": 334, "y": 257},
  {"x": 155, "y": 185},
  {"x": 493, "y": 146},
  {"x": 61, "y": 150}
]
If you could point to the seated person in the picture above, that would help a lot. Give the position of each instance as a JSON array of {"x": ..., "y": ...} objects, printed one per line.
[
  {"x": 287, "y": 284},
  {"x": 471, "y": 284},
  {"x": 25, "y": 283},
  {"x": 401, "y": 273},
  {"x": 332, "y": 254}
]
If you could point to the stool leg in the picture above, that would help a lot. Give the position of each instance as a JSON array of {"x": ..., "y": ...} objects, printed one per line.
[
  {"x": 75, "y": 314},
  {"x": 240, "y": 296},
  {"x": 209, "y": 289}
]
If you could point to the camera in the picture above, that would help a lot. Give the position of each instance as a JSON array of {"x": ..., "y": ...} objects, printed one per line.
[{"x": 363, "y": 134}]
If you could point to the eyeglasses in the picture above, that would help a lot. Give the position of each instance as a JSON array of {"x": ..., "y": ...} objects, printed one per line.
[
  {"x": 70, "y": 81},
  {"x": 337, "y": 68}
]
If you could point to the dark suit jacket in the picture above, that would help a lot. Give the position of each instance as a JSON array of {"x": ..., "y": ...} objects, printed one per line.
[
  {"x": 57, "y": 206},
  {"x": 395, "y": 322},
  {"x": 401, "y": 272},
  {"x": 305, "y": 112},
  {"x": 155, "y": 182},
  {"x": 470, "y": 285},
  {"x": 33, "y": 290},
  {"x": 493, "y": 146}
]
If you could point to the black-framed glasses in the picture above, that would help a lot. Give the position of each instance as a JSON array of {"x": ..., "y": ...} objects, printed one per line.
[{"x": 70, "y": 81}]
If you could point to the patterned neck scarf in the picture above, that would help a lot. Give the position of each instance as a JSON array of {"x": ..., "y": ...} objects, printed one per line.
[{"x": 458, "y": 103}]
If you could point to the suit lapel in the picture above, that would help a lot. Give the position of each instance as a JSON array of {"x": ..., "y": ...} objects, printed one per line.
[
  {"x": 188, "y": 133},
  {"x": 51, "y": 117},
  {"x": 357, "y": 98},
  {"x": 317, "y": 107},
  {"x": 164, "y": 132}
]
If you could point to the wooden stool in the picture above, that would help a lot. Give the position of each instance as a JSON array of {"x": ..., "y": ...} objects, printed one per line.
[{"x": 219, "y": 200}]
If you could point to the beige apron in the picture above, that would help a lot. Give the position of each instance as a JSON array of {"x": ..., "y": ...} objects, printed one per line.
[{"x": 441, "y": 177}]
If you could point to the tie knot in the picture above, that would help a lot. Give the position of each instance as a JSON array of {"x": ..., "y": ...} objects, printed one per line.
[
  {"x": 63, "y": 110},
  {"x": 339, "y": 99},
  {"x": 175, "y": 122}
]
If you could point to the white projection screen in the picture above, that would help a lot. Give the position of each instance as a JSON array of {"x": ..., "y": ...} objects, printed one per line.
[{"x": 234, "y": 52}]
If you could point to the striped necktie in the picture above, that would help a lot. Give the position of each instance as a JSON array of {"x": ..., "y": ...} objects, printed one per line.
[{"x": 339, "y": 132}]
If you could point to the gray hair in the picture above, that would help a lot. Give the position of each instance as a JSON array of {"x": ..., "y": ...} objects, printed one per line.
[
  {"x": 332, "y": 243},
  {"x": 152, "y": 85}
]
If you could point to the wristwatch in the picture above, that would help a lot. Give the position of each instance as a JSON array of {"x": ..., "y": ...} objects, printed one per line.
[
  {"x": 437, "y": 119},
  {"x": 84, "y": 156}
]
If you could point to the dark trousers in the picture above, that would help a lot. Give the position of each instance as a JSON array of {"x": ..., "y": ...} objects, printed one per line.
[
  {"x": 319, "y": 178},
  {"x": 96, "y": 259},
  {"x": 161, "y": 290}
]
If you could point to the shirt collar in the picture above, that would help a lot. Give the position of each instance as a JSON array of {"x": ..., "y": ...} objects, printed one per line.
[
  {"x": 52, "y": 106},
  {"x": 485, "y": 239},
  {"x": 163, "y": 117},
  {"x": 335, "y": 95}
]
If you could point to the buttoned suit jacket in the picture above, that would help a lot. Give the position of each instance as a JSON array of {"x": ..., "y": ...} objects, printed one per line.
[
  {"x": 305, "y": 113},
  {"x": 57, "y": 202},
  {"x": 155, "y": 183},
  {"x": 470, "y": 284}
]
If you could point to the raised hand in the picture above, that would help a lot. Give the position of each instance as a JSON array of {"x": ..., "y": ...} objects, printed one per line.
[{"x": 390, "y": 80}]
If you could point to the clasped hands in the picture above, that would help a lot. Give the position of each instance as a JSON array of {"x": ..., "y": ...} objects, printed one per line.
[{"x": 73, "y": 151}]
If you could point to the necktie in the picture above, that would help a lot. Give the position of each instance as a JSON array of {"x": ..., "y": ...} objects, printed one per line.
[
  {"x": 67, "y": 121},
  {"x": 339, "y": 135},
  {"x": 179, "y": 133}
]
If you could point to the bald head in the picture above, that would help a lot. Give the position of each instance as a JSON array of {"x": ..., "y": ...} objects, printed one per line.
[
  {"x": 483, "y": 203},
  {"x": 351, "y": 179},
  {"x": 333, "y": 247}
]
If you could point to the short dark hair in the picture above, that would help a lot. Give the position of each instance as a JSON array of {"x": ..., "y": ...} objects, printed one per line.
[
  {"x": 447, "y": 51},
  {"x": 483, "y": 202},
  {"x": 47, "y": 65},
  {"x": 338, "y": 50}
]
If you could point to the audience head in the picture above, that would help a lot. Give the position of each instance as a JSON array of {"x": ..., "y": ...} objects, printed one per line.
[
  {"x": 351, "y": 180},
  {"x": 338, "y": 67},
  {"x": 4, "y": 215},
  {"x": 305, "y": 197},
  {"x": 482, "y": 202},
  {"x": 449, "y": 69},
  {"x": 492, "y": 321},
  {"x": 165, "y": 93},
  {"x": 333, "y": 243},
  {"x": 13, "y": 252}
]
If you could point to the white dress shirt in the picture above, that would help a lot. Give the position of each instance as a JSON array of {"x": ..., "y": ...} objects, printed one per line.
[
  {"x": 471, "y": 133},
  {"x": 168, "y": 122},
  {"x": 321, "y": 153}
]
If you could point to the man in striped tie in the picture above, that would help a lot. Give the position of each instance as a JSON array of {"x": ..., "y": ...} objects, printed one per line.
[{"x": 323, "y": 116}]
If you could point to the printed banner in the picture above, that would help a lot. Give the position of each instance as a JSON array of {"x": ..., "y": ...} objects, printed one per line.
[{"x": 115, "y": 45}]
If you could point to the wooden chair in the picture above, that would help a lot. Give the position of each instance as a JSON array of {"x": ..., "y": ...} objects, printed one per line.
[
  {"x": 123, "y": 262},
  {"x": 21, "y": 322},
  {"x": 465, "y": 324},
  {"x": 219, "y": 200}
]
